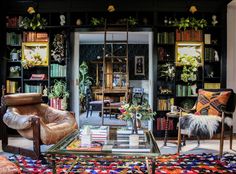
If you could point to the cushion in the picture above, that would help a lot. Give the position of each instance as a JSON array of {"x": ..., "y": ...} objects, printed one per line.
[
  {"x": 210, "y": 103},
  {"x": 8, "y": 167},
  {"x": 22, "y": 99}
]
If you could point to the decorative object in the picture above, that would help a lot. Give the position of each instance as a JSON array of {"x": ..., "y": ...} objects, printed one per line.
[
  {"x": 62, "y": 20},
  {"x": 167, "y": 71},
  {"x": 58, "y": 50},
  {"x": 165, "y": 90},
  {"x": 193, "y": 9},
  {"x": 165, "y": 20},
  {"x": 133, "y": 140},
  {"x": 34, "y": 22},
  {"x": 34, "y": 54},
  {"x": 85, "y": 81},
  {"x": 134, "y": 112},
  {"x": 111, "y": 8},
  {"x": 59, "y": 91},
  {"x": 15, "y": 54},
  {"x": 78, "y": 22},
  {"x": 190, "y": 56},
  {"x": 216, "y": 56},
  {"x": 14, "y": 71},
  {"x": 214, "y": 20},
  {"x": 190, "y": 22},
  {"x": 45, "y": 91},
  {"x": 194, "y": 89},
  {"x": 139, "y": 67}
]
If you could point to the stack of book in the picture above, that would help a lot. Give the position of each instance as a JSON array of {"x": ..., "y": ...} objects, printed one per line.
[
  {"x": 99, "y": 134},
  {"x": 123, "y": 135}
]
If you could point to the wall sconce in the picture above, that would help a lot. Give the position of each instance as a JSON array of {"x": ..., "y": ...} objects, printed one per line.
[
  {"x": 111, "y": 8},
  {"x": 193, "y": 9}
]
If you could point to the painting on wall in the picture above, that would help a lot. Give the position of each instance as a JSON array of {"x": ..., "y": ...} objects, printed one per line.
[{"x": 139, "y": 66}]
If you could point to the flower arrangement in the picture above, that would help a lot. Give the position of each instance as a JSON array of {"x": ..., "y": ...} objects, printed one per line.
[
  {"x": 33, "y": 58},
  {"x": 33, "y": 22},
  {"x": 141, "y": 112}
]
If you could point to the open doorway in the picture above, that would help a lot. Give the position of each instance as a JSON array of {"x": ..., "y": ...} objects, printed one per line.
[{"x": 88, "y": 48}]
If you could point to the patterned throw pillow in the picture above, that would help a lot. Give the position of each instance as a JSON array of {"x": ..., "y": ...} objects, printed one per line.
[{"x": 210, "y": 103}]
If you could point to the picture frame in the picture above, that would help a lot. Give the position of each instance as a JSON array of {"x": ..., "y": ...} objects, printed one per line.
[
  {"x": 139, "y": 67},
  {"x": 35, "y": 53},
  {"x": 193, "y": 49}
]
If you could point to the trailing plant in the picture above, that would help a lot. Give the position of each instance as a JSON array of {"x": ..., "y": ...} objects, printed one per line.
[
  {"x": 190, "y": 22},
  {"x": 85, "y": 81},
  {"x": 97, "y": 21},
  {"x": 34, "y": 21}
]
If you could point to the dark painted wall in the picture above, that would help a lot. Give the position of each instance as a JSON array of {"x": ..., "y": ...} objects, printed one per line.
[{"x": 90, "y": 52}]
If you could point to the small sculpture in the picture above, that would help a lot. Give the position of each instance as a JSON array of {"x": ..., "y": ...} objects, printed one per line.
[
  {"x": 214, "y": 21},
  {"x": 216, "y": 56},
  {"x": 78, "y": 22},
  {"x": 45, "y": 91},
  {"x": 62, "y": 20}
]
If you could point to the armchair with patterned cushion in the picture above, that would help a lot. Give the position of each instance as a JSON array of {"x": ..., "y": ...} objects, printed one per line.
[
  {"x": 35, "y": 121},
  {"x": 213, "y": 110}
]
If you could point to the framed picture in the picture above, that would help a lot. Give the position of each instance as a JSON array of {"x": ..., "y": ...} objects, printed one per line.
[
  {"x": 139, "y": 67},
  {"x": 189, "y": 52},
  {"x": 35, "y": 54}
]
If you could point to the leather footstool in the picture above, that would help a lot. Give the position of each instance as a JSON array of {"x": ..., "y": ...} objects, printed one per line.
[{"x": 8, "y": 167}]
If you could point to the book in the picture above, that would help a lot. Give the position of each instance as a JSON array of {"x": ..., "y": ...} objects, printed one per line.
[{"x": 76, "y": 145}]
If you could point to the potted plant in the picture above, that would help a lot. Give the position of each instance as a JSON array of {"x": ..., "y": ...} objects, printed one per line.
[
  {"x": 85, "y": 81},
  {"x": 33, "y": 22},
  {"x": 58, "y": 95},
  {"x": 190, "y": 22}
]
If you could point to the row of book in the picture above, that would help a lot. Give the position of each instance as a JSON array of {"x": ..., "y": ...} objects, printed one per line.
[
  {"x": 13, "y": 39},
  {"x": 11, "y": 86},
  {"x": 33, "y": 88},
  {"x": 184, "y": 90},
  {"x": 58, "y": 70},
  {"x": 161, "y": 124},
  {"x": 35, "y": 37},
  {"x": 56, "y": 103},
  {"x": 13, "y": 21},
  {"x": 165, "y": 38},
  {"x": 189, "y": 35},
  {"x": 165, "y": 104}
]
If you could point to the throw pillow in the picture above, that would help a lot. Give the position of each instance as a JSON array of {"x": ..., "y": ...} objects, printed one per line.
[{"x": 210, "y": 103}]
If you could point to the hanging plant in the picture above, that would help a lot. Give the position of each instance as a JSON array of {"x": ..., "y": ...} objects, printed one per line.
[{"x": 35, "y": 21}]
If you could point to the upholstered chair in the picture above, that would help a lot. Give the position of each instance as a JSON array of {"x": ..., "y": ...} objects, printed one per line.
[
  {"x": 213, "y": 110},
  {"x": 35, "y": 121}
]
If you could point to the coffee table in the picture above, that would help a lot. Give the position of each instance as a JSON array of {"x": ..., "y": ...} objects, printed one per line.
[{"x": 107, "y": 150}]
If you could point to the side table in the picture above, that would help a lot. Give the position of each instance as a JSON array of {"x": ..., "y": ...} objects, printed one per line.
[{"x": 172, "y": 115}]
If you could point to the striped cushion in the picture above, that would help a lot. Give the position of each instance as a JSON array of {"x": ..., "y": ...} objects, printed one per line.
[{"x": 210, "y": 103}]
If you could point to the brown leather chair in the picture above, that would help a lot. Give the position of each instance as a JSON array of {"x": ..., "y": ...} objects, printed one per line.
[{"x": 35, "y": 121}]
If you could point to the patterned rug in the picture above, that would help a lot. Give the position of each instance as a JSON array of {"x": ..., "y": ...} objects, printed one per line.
[{"x": 165, "y": 164}]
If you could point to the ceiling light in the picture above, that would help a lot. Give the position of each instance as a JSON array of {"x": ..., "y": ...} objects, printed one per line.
[{"x": 193, "y": 9}]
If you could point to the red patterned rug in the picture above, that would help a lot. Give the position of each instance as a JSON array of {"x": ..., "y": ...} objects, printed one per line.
[{"x": 165, "y": 164}]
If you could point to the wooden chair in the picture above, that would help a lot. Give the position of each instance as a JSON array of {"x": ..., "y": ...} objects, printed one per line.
[{"x": 227, "y": 111}]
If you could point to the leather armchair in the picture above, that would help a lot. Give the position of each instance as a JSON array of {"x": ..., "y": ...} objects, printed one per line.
[{"x": 35, "y": 121}]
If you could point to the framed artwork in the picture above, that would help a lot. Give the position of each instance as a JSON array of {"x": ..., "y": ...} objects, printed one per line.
[
  {"x": 139, "y": 66},
  {"x": 189, "y": 52},
  {"x": 35, "y": 54}
]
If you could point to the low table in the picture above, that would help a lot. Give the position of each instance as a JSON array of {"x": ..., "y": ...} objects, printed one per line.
[{"x": 107, "y": 149}]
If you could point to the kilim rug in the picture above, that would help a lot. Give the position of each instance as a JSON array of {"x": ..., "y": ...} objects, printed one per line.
[{"x": 165, "y": 164}]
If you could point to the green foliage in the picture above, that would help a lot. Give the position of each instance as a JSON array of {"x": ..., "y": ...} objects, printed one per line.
[
  {"x": 58, "y": 90},
  {"x": 85, "y": 81},
  {"x": 97, "y": 21},
  {"x": 168, "y": 71},
  {"x": 190, "y": 22},
  {"x": 33, "y": 22}
]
